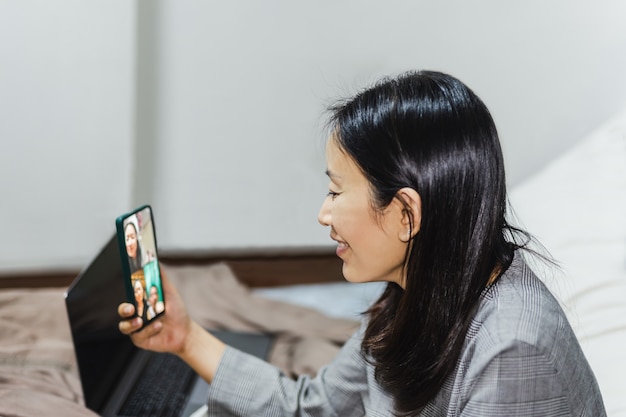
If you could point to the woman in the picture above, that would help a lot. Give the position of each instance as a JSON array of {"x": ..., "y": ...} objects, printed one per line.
[
  {"x": 156, "y": 306},
  {"x": 133, "y": 249},
  {"x": 144, "y": 310},
  {"x": 417, "y": 198}
]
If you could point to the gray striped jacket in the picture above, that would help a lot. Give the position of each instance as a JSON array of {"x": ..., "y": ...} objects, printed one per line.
[{"x": 521, "y": 358}]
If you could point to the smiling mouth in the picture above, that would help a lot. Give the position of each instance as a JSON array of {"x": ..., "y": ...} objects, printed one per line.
[{"x": 342, "y": 247}]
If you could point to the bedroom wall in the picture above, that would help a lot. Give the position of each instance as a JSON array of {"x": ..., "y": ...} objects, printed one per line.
[
  {"x": 238, "y": 93},
  {"x": 66, "y": 128},
  {"x": 213, "y": 111}
]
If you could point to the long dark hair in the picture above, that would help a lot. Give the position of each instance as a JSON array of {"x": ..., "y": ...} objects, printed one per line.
[
  {"x": 428, "y": 131},
  {"x": 135, "y": 263}
]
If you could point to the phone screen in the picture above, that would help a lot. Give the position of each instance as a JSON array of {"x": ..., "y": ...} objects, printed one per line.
[{"x": 138, "y": 250}]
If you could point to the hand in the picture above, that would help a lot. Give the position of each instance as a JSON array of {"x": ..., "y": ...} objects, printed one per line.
[
  {"x": 174, "y": 332},
  {"x": 168, "y": 333}
]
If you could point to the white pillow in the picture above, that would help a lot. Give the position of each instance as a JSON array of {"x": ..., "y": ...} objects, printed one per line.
[{"x": 576, "y": 207}]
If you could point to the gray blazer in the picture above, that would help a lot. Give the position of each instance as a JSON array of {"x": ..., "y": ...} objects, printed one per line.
[{"x": 520, "y": 358}]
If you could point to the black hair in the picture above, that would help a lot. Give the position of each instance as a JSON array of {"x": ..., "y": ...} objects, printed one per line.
[
  {"x": 135, "y": 263},
  {"x": 428, "y": 131}
]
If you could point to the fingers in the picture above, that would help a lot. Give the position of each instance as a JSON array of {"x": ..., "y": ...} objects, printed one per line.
[
  {"x": 148, "y": 332},
  {"x": 147, "y": 337},
  {"x": 126, "y": 310},
  {"x": 130, "y": 326}
]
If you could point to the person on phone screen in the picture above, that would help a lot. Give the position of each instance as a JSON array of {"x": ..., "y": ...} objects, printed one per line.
[
  {"x": 417, "y": 198},
  {"x": 156, "y": 305},
  {"x": 144, "y": 310},
  {"x": 133, "y": 247}
]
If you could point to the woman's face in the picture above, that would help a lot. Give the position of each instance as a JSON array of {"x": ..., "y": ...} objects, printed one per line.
[
  {"x": 371, "y": 244},
  {"x": 130, "y": 235},
  {"x": 138, "y": 291},
  {"x": 154, "y": 295}
]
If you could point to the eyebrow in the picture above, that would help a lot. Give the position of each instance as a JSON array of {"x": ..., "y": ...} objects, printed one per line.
[{"x": 332, "y": 175}]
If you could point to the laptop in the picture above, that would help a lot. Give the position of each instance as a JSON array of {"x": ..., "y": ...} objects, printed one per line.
[{"x": 114, "y": 373}]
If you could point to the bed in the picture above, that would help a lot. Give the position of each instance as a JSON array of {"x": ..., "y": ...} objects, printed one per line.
[{"x": 575, "y": 207}]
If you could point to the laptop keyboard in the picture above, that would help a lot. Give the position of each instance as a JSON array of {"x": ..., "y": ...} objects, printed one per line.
[{"x": 162, "y": 388}]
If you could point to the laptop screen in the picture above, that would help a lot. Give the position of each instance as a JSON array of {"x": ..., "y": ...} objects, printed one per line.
[{"x": 102, "y": 352}]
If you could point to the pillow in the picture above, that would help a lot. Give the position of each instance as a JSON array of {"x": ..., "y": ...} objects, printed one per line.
[{"x": 576, "y": 208}]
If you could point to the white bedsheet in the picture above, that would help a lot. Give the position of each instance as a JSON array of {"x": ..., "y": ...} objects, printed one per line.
[
  {"x": 576, "y": 207},
  {"x": 338, "y": 299}
]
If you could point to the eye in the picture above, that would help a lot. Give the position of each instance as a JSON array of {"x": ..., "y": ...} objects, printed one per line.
[{"x": 332, "y": 194}]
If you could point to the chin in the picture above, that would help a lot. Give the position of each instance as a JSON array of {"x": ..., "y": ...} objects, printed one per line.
[
  {"x": 353, "y": 276},
  {"x": 345, "y": 271}
]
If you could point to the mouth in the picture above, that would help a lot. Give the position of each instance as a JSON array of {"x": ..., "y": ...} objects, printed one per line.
[{"x": 342, "y": 246}]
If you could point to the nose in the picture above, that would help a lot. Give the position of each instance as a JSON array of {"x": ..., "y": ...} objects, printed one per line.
[{"x": 324, "y": 215}]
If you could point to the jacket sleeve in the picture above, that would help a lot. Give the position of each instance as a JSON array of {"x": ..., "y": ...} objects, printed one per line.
[{"x": 247, "y": 386}]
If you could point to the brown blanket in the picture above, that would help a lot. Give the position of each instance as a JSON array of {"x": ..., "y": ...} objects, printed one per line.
[{"x": 38, "y": 373}]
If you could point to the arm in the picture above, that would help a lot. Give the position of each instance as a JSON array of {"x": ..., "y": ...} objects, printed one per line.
[
  {"x": 243, "y": 385},
  {"x": 247, "y": 386}
]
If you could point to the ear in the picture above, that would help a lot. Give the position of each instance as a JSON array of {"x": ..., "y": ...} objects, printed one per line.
[{"x": 411, "y": 213}]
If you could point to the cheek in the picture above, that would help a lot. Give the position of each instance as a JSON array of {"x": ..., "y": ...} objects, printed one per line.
[
  {"x": 379, "y": 254},
  {"x": 348, "y": 222}
]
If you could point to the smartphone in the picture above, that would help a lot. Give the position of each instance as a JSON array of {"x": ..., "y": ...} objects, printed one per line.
[{"x": 140, "y": 263}]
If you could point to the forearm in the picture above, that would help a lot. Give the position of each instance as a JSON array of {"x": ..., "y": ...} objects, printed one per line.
[
  {"x": 245, "y": 385},
  {"x": 202, "y": 351}
]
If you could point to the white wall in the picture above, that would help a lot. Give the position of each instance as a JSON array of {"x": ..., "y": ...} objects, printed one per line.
[
  {"x": 66, "y": 128},
  {"x": 239, "y": 90},
  {"x": 228, "y": 99}
]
